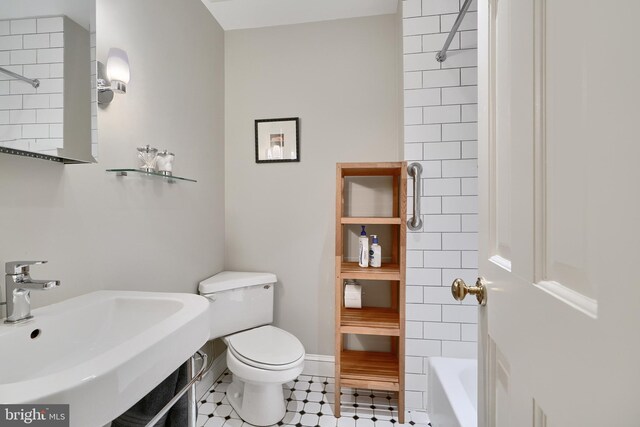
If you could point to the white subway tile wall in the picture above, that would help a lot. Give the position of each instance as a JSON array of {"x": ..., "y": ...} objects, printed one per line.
[
  {"x": 440, "y": 133},
  {"x": 30, "y": 118}
]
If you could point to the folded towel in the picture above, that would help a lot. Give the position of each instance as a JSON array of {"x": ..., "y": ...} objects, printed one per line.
[{"x": 142, "y": 412}]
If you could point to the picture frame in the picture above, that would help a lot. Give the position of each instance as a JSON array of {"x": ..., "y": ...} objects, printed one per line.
[{"x": 277, "y": 140}]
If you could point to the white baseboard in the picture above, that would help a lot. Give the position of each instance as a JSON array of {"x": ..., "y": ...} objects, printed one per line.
[
  {"x": 319, "y": 365},
  {"x": 206, "y": 383}
]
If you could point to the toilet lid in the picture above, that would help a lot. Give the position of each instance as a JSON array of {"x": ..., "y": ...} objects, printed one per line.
[{"x": 266, "y": 345}]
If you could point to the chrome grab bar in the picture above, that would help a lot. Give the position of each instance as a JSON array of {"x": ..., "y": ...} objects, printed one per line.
[{"x": 415, "y": 170}]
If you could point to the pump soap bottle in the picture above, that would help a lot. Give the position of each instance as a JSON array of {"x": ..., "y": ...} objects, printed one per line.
[
  {"x": 363, "y": 253},
  {"x": 375, "y": 252}
]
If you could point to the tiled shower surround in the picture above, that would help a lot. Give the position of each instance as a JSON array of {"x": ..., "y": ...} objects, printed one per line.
[
  {"x": 440, "y": 132},
  {"x": 309, "y": 403},
  {"x": 31, "y": 119}
]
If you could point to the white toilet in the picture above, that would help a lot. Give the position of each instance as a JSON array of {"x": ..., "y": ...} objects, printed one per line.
[{"x": 260, "y": 356}]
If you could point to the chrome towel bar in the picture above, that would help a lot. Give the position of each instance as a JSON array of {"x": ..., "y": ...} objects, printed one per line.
[
  {"x": 415, "y": 170},
  {"x": 190, "y": 388}
]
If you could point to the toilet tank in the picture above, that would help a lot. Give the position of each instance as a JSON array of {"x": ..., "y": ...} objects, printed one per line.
[{"x": 238, "y": 301}]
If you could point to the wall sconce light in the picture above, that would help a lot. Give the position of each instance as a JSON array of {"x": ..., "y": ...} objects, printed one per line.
[{"x": 117, "y": 76}]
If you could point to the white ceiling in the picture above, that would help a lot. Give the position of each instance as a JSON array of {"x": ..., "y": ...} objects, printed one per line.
[{"x": 239, "y": 14}]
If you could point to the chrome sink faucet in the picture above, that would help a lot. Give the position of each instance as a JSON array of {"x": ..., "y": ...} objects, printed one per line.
[{"x": 19, "y": 284}]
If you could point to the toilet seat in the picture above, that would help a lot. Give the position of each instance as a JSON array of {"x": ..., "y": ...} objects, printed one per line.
[{"x": 266, "y": 347}]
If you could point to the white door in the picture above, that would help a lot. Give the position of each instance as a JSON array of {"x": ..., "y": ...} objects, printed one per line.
[{"x": 559, "y": 125}]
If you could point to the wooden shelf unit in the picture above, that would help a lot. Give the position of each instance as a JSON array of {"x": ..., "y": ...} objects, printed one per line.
[{"x": 370, "y": 369}]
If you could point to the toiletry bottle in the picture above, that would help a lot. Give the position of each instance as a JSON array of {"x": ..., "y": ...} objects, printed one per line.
[
  {"x": 376, "y": 252},
  {"x": 363, "y": 252}
]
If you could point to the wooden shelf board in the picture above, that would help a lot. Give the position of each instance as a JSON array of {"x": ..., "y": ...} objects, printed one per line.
[
  {"x": 370, "y": 321},
  {"x": 369, "y": 368},
  {"x": 371, "y": 169},
  {"x": 371, "y": 385},
  {"x": 370, "y": 220},
  {"x": 351, "y": 270}
]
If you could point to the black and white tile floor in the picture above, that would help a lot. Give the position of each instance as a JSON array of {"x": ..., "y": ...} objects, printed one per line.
[{"x": 310, "y": 404}]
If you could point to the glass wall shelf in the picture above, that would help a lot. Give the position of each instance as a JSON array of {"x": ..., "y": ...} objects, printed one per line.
[{"x": 169, "y": 178}]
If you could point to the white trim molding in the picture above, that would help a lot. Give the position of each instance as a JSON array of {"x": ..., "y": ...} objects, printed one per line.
[
  {"x": 501, "y": 262},
  {"x": 319, "y": 365},
  {"x": 586, "y": 305}
]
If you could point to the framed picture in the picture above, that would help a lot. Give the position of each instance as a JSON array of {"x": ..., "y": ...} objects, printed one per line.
[{"x": 277, "y": 140}]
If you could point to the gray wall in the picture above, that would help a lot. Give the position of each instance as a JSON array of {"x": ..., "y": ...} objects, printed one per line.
[
  {"x": 103, "y": 232},
  {"x": 342, "y": 79}
]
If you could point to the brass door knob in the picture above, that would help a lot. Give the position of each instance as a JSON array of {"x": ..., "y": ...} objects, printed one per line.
[{"x": 459, "y": 290}]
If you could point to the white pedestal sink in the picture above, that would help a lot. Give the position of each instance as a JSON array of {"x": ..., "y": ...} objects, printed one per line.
[{"x": 100, "y": 352}]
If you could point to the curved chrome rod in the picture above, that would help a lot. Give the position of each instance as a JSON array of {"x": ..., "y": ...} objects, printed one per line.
[
  {"x": 442, "y": 55},
  {"x": 197, "y": 377},
  {"x": 33, "y": 82},
  {"x": 415, "y": 170}
]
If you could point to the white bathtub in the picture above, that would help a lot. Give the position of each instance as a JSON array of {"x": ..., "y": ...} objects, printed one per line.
[{"x": 452, "y": 392}]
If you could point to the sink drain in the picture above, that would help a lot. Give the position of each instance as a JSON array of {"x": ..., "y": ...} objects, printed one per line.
[{"x": 35, "y": 334}]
